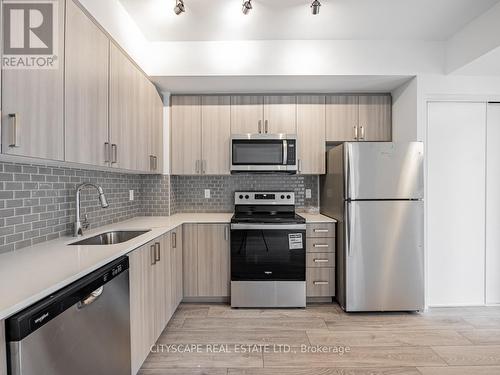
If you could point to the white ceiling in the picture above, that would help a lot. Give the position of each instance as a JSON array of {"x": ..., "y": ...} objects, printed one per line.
[
  {"x": 291, "y": 19},
  {"x": 279, "y": 84}
]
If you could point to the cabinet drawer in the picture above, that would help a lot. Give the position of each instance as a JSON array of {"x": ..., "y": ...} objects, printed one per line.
[
  {"x": 321, "y": 230},
  {"x": 315, "y": 260},
  {"x": 320, "y": 245},
  {"x": 320, "y": 282}
]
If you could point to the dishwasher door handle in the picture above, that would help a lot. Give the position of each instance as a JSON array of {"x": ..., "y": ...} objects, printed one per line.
[{"x": 91, "y": 298}]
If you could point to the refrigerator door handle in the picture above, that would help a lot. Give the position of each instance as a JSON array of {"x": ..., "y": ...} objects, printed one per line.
[
  {"x": 347, "y": 164},
  {"x": 347, "y": 224}
]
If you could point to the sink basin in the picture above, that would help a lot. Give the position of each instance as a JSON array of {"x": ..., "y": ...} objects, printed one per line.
[{"x": 111, "y": 238}]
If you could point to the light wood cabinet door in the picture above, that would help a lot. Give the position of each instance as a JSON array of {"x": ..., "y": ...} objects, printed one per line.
[
  {"x": 176, "y": 265},
  {"x": 190, "y": 260},
  {"x": 144, "y": 126},
  {"x": 342, "y": 118},
  {"x": 215, "y": 134},
  {"x": 142, "y": 303},
  {"x": 124, "y": 96},
  {"x": 186, "y": 135},
  {"x": 311, "y": 124},
  {"x": 162, "y": 286},
  {"x": 32, "y": 107},
  {"x": 280, "y": 114},
  {"x": 157, "y": 132},
  {"x": 213, "y": 260},
  {"x": 375, "y": 122},
  {"x": 86, "y": 90},
  {"x": 247, "y": 114}
]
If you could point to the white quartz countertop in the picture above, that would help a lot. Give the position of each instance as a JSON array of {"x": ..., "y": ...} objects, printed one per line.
[{"x": 31, "y": 274}]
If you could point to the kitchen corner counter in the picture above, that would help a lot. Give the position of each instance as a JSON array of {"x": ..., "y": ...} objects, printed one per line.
[
  {"x": 31, "y": 274},
  {"x": 316, "y": 218}
]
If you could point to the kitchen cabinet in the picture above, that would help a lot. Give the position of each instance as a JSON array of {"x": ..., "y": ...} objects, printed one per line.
[
  {"x": 280, "y": 114},
  {"x": 32, "y": 107},
  {"x": 186, "y": 135},
  {"x": 247, "y": 114},
  {"x": 375, "y": 122},
  {"x": 493, "y": 204},
  {"x": 351, "y": 118},
  {"x": 206, "y": 260},
  {"x": 263, "y": 114},
  {"x": 176, "y": 249},
  {"x": 215, "y": 134},
  {"x": 320, "y": 260},
  {"x": 156, "y": 140},
  {"x": 86, "y": 90},
  {"x": 124, "y": 100},
  {"x": 311, "y": 125},
  {"x": 150, "y": 275}
]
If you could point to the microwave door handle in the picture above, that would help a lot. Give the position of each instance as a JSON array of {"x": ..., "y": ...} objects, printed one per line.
[{"x": 285, "y": 151}]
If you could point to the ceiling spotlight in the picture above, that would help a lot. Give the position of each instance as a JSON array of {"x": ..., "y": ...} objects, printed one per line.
[
  {"x": 179, "y": 7},
  {"x": 315, "y": 7},
  {"x": 247, "y": 6}
]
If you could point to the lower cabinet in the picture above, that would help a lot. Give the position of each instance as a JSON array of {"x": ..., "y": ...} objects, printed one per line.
[
  {"x": 176, "y": 267},
  {"x": 206, "y": 260},
  {"x": 153, "y": 295},
  {"x": 320, "y": 260}
]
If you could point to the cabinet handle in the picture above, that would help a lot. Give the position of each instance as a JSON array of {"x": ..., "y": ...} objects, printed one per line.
[
  {"x": 320, "y": 260},
  {"x": 106, "y": 152},
  {"x": 151, "y": 163},
  {"x": 299, "y": 167},
  {"x": 156, "y": 162},
  {"x": 260, "y": 126},
  {"x": 157, "y": 252},
  {"x": 203, "y": 166},
  {"x": 320, "y": 245},
  {"x": 152, "y": 254},
  {"x": 114, "y": 151},
  {"x": 320, "y": 230},
  {"x": 174, "y": 240},
  {"x": 226, "y": 233},
  {"x": 266, "y": 123},
  {"x": 320, "y": 282},
  {"x": 362, "y": 137},
  {"x": 356, "y": 133},
  {"x": 13, "y": 118},
  {"x": 197, "y": 167}
]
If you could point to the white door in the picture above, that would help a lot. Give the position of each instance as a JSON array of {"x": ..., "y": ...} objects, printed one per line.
[
  {"x": 493, "y": 205},
  {"x": 456, "y": 152}
]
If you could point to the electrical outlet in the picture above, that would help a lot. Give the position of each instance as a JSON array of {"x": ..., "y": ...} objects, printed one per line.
[
  {"x": 308, "y": 194},
  {"x": 207, "y": 193},
  {"x": 130, "y": 195}
]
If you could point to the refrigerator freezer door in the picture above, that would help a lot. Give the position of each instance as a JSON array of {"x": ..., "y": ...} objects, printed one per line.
[
  {"x": 384, "y": 170},
  {"x": 384, "y": 256}
]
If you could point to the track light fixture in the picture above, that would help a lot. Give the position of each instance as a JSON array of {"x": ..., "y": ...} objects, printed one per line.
[
  {"x": 315, "y": 7},
  {"x": 179, "y": 7},
  {"x": 247, "y": 6}
]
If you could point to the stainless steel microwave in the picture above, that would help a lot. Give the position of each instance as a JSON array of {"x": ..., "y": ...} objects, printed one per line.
[{"x": 264, "y": 153}]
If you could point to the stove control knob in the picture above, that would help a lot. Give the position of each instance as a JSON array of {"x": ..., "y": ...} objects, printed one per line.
[
  {"x": 282, "y": 197},
  {"x": 247, "y": 197},
  {"x": 241, "y": 196},
  {"x": 288, "y": 197}
]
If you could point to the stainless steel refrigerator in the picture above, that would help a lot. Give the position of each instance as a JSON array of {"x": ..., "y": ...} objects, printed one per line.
[{"x": 375, "y": 190}]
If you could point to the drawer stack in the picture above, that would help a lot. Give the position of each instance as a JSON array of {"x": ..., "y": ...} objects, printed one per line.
[{"x": 320, "y": 260}]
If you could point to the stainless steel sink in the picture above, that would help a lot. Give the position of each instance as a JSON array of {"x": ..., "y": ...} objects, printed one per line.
[{"x": 111, "y": 238}]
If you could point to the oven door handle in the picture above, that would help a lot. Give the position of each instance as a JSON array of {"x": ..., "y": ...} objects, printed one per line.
[{"x": 268, "y": 227}]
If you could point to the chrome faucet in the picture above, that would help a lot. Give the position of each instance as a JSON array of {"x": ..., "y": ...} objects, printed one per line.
[{"x": 78, "y": 228}]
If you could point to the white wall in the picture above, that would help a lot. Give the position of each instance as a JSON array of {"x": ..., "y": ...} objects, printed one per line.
[{"x": 405, "y": 112}]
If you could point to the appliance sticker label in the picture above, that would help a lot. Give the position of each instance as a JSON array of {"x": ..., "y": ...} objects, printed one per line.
[{"x": 295, "y": 241}]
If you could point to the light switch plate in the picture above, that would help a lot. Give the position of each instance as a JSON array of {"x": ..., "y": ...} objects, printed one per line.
[
  {"x": 308, "y": 193},
  {"x": 207, "y": 193},
  {"x": 130, "y": 195}
]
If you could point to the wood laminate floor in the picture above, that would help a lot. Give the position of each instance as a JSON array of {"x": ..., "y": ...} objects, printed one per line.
[{"x": 214, "y": 339}]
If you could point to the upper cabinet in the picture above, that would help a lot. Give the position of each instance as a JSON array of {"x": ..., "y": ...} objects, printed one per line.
[
  {"x": 86, "y": 90},
  {"x": 311, "y": 146},
  {"x": 97, "y": 108},
  {"x": 201, "y": 130},
  {"x": 358, "y": 118},
  {"x": 32, "y": 108},
  {"x": 263, "y": 114}
]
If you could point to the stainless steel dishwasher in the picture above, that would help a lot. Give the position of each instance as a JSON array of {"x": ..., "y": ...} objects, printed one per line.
[{"x": 80, "y": 330}]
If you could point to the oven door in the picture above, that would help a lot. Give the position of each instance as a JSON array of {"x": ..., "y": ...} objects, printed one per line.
[
  {"x": 268, "y": 252},
  {"x": 270, "y": 153}
]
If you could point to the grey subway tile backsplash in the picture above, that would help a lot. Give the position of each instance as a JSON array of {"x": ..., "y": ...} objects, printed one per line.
[{"x": 187, "y": 192}]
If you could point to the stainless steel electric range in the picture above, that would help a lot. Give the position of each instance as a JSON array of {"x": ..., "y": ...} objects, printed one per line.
[{"x": 268, "y": 251}]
